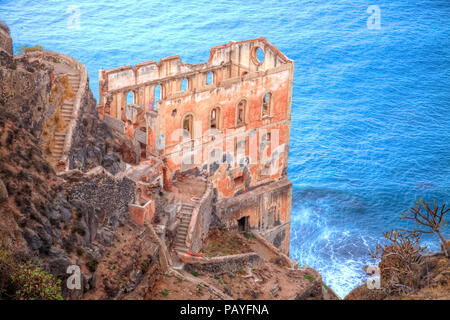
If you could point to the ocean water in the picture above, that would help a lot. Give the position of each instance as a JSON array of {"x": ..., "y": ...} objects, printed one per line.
[{"x": 370, "y": 113}]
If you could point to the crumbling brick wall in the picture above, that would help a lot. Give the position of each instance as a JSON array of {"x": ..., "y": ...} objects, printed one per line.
[{"x": 230, "y": 123}]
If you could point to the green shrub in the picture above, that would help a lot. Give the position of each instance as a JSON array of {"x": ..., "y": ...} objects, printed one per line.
[
  {"x": 36, "y": 284},
  {"x": 195, "y": 274},
  {"x": 249, "y": 236},
  {"x": 80, "y": 251},
  {"x": 92, "y": 264},
  {"x": 165, "y": 292},
  {"x": 7, "y": 266},
  {"x": 144, "y": 266},
  {"x": 309, "y": 277},
  {"x": 27, "y": 49}
]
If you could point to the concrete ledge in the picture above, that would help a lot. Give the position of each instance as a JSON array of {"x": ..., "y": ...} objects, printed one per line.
[{"x": 288, "y": 262}]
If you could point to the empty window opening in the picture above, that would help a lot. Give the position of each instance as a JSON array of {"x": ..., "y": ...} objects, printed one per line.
[
  {"x": 260, "y": 55},
  {"x": 209, "y": 78},
  {"x": 215, "y": 114},
  {"x": 130, "y": 98},
  {"x": 266, "y": 144},
  {"x": 241, "y": 112},
  {"x": 187, "y": 126},
  {"x": 243, "y": 224},
  {"x": 184, "y": 84},
  {"x": 157, "y": 97},
  {"x": 266, "y": 104},
  {"x": 241, "y": 146},
  {"x": 143, "y": 148}
]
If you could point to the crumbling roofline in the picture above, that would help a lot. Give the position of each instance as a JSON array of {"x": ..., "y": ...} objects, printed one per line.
[
  {"x": 198, "y": 65},
  {"x": 262, "y": 39}
]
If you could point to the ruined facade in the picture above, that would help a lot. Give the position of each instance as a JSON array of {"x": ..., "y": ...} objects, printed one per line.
[{"x": 227, "y": 120}]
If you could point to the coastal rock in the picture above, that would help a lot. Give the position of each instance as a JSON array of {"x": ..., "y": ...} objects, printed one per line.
[{"x": 3, "y": 192}]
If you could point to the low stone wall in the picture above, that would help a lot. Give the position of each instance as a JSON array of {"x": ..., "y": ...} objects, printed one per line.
[
  {"x": 219, "y": 265},
  {"x": 142, "y": 213},
  {"x": 288, "y": 262},
  {"x": 200, "y": 221}
]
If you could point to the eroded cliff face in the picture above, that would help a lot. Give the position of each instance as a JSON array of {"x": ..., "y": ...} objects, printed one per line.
[
  {"x": 57, "y": 220},
  {"x": 93, "y": 143}
]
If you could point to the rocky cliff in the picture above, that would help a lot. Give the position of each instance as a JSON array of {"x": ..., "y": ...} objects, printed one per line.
[{"x": 55, "y": 220}]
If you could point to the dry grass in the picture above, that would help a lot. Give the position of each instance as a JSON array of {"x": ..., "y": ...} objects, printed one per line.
[{"x": 223, "y": 243}]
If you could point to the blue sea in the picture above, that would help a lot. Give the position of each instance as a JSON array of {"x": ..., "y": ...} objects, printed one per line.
[{"x": 371, "y": 102}]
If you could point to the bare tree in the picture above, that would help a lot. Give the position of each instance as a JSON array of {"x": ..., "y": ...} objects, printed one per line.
[
  {"x": 432, "y": 219},
  {"x": 399, "y": 260}
]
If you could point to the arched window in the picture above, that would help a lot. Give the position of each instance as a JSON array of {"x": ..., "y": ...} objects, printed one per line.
[
  {"x": 210, "y": 78},
  {"x": 241, "y": 112},
  {"x": 266, "y": 106},
  {"x": 130, "y": 97},
  {"x": 184, "y": 84},
  {"x": 187, "y": 124},
  {"x": 214, "y": 118},
  {"x": 157, "y": 96}
]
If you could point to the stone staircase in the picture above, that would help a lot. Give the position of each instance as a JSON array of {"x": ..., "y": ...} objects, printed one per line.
[
  {"x": 67, "y": 114},
  {"x": 186, "y": 213}
]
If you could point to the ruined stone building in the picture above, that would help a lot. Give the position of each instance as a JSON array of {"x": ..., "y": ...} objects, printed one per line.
[{"x": 226, "y": 120}]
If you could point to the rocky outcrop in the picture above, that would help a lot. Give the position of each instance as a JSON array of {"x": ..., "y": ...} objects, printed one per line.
[
  {"x": 431, "y": 281},
  {"x": 93, "y": 143},
  {"x": 71, "y": 218}
]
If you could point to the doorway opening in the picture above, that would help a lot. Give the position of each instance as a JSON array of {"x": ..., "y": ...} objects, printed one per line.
[{"x": 243, "y": 224}]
